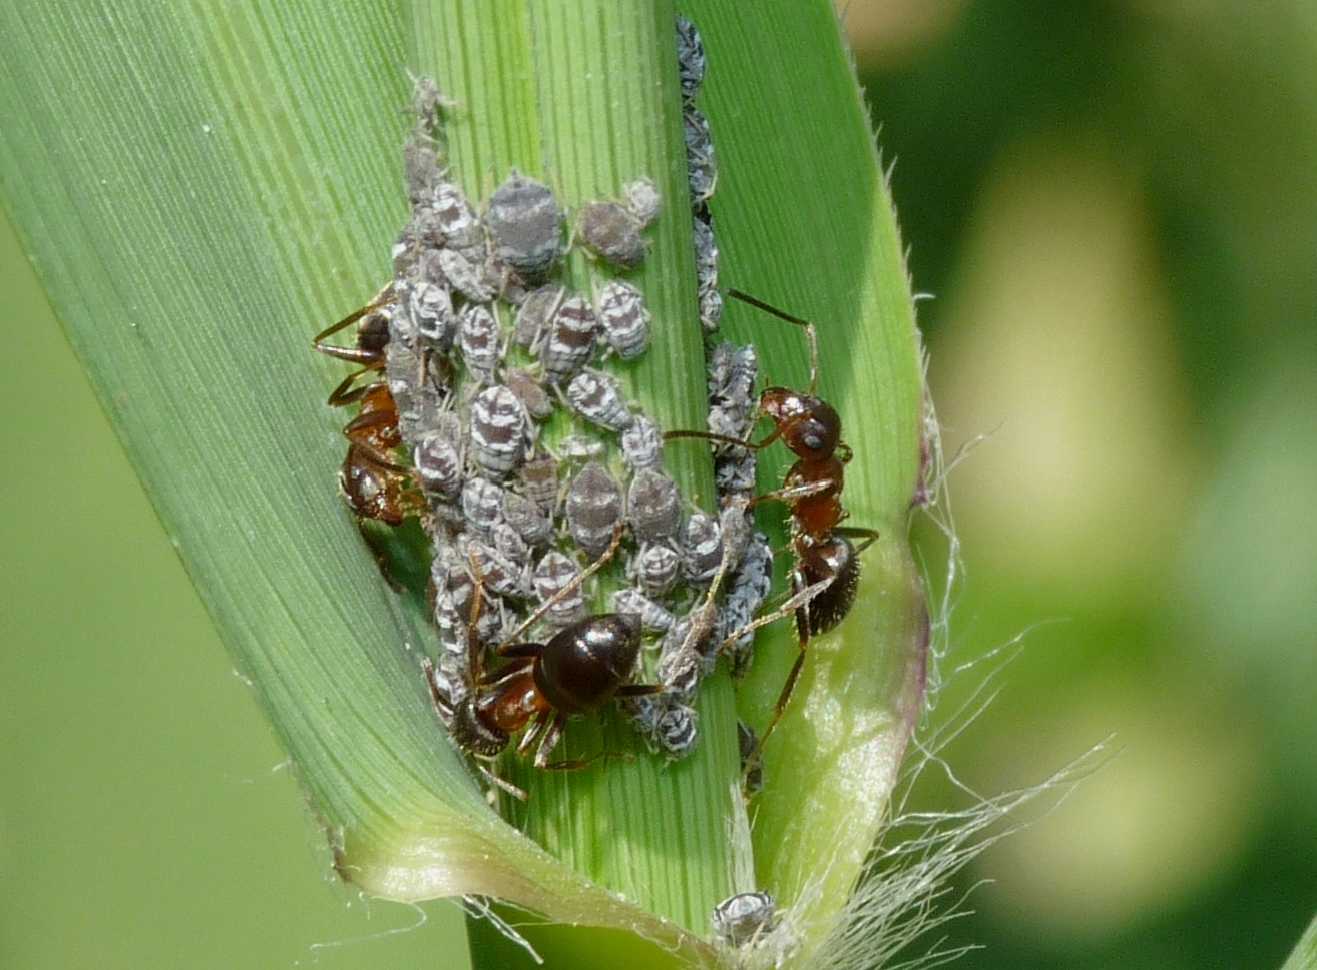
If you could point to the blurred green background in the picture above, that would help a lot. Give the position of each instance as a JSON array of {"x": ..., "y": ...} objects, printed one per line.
[{"x": 1115, "y": 206}]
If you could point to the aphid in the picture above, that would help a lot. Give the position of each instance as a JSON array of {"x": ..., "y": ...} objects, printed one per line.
[
  {"x": 700, "y": 160},
  {"x": 711, "y": 308},
  {"x": 702, "y": 544},
  {"x": 691, "y": 61},
  {"x": 553, "y": 574},
  {"x": 465, "y": 274},
  {"x": 482, "y": 505},
  {"x": 497, "y": 573},
  {"x": 749, "y": 588},
  {"x": 677, "y": 730},
  {"x": 431, "y": 308},
  {"x": 536, "y": 313},
  {"x": 654, "y": 617},
  {"x": 642, "y": 443},
  {"x": 752, "y": 768},
  {"x": 528, "y": 390},
  {"x": 825, "y": 574},
  {"x": 500, "y": 430},
  {"x": 642, "y": 200},
  {"x": 568, "y": 341},
  {"x": 479, "y": 340},
  {"x": 437, "y": 459},
  {"x": 510, "y": 544},
  {"x": 539, "y": 481},
  {"x": 653, "y": 506},
  {"x": 525, "y": 225},
  {"x": 681, "y": 665},
  {"x": 744, "y": 918},
  {"x": 706, "y": 253},
  {"x": 525, "y": 518},
  {"x": 623, "y": 319},
  {"x": 612, "y": 232},
  {"x": 456, "y": 220},
  {"x": 655, "y": 568},
  {"x": 593, "y": 508},
  {"x": 597, "y": 397}
]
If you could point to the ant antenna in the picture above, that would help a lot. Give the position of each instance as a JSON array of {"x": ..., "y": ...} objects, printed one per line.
[{"x": 789, "y": 318}]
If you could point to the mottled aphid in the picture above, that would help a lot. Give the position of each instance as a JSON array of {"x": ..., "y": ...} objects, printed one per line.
[
  {"x": 539, "y": 481},
  {"x": 597, "y": 397},
  {"x": 524, "y": 516},
  {"x": 554, "y": 573},
  {"x": 466, "y": 275},
  {"x": 702, "y": 543},
  {"x": 499, "y": 574},
  {"x": 749, "y": 588},
  {"x": 642, "y": 199},
  {"x": 743, "y": 918},
  {"x": 653, "y": 506},
  {"x": 706, "y": 270},
  {"x": 612, "y": 232},
  {"x": 654, "y": 617},
  {"x": 480, "y": 342},
  {"x": 525, "y": 225},
  {"x": 677, "y": 730},
  {"x": 623, "y": 318},
  {"x": 456, "y": 220},
  {"x": 500, "y": 430},
  {"x": 700, "y": 160},
  {"x": 535, "y": 314},
  {"x": 655, "y": 568},
  {"x": 691, "y": 62},
  {"x": 482, "y": 506},
  {"x": 642, "y": 443},
  {"x": 510, "y": 544},
  {"x": 437, "y": 458},
  {"x": 593, "y": 508},
  {"x": 431, "y": 308},
  {"x": 568, "y": 341},
  {"x": 532, "y": 395}
]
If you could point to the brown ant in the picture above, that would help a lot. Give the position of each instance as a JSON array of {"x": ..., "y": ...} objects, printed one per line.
[
  {"x": 576, "y": 671},
  {"x": 826, "y": 571},
  {"x": 376, "y": 487}
]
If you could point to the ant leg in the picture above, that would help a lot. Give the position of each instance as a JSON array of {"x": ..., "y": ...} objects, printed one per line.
[
  {"x": 725, "y": 439},
  {"x": 534, "y": 736},
  {"x": 520, "y": 651},
  {"x": 810, "y": 332},
  {"x": 548, "y": 732},
  {"x": 789, "y": 688},
  {"x": 796, "y": 492},
  {"x": 870, "y": 536},
  {"x": 578, "y": 764},
  {"x": 502, "y": 784},
  {"x": 792, "y": 604},
  {"x": 381, "y": 298},
  {"x": 548, "y": 604},
  {"x": 639, "y": 690}
]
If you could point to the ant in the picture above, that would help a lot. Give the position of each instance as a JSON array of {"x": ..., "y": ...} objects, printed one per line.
[
  {"x": 576, "y": 671},
  {"x": 826, "y": 571},
  {"x": 373, "y": 483}
]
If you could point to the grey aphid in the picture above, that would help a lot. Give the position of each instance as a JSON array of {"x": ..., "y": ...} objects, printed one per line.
[
  {"x": 480, "y": 342},
  {"x": 500, "y": 430},
  {"x": 700, "y": 160},
  {"x": 679, "y": 668},
  {"x": 749, "y": 587},
  {"x": 420, "y": 165},
  {"x": 482, "y": 505},
  {"x": 431, "y": 307},
  {"x": 579, "y": 447},
  {"x": 508, "y": 284},
  {"x": 404, "y": 370},
  {"x": 455, "y": 218},
  {"x": 642, "y": 443},
  {"x": 613, "y": 233},
  {"x": 623, "y": 318},
  {"x": 711, "y": 309},
  {"x": 702, "y": 543},
  {"x": 524, "y": 517},
  {"x": 535, "y": 314},
  {"x": 653, "y": 506},
  {"x": 706, "y": 250},
  {"x": 498, "y": 574},
  {"x": 677, "y": 730},
  {"x": 568, "y": 341},
  {"x": 522, "y": 383},
  {"x": 654, "y": 617},
  {"x": 643, "y": 200},
  {"x": 525, "y": 225},
  {"x": 743, "y": 918},
  {"x": 539, "y": 481},
  {"x": 654, "y": 568},
  {"x": 593, "y": 508},
  {"x": 510, "y": 544},
  {"x": 438, "y": 461},
  {"x": 597, "y": 397},
  {"x": 466, "y": 275},
  {"x": 691, "y": 62},
  {"x": 554, "y": 573}
]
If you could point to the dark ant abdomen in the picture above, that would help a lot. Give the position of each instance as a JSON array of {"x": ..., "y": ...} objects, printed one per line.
[
  {"x": 581, "y": 667},
  {"x": 834, "y": 557}
]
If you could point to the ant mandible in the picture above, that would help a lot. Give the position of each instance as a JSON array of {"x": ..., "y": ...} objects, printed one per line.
[{"x": 826, "y": 570}]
